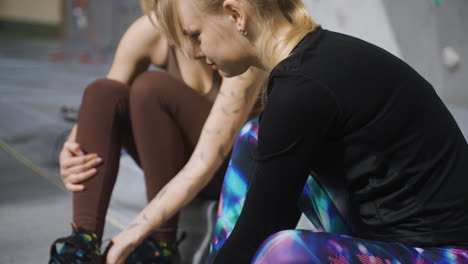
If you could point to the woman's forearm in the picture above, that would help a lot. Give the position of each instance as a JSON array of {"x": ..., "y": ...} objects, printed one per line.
[
  {"x": 230, "y": 111},
  {"x": 211, "y": 150},
  {"x": 177, "y": 193},
  {"x": 213, "y": 146}
]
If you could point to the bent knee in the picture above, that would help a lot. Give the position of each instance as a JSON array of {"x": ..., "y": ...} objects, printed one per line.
[
  {"x": 105, "y": 90},
  {"x": 151, "y": 85},
  {"x": 284, "y": 247}
]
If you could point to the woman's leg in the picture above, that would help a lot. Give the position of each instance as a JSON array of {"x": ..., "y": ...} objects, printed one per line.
[
  {"x": 326, "y": 205},
  {"x": 104, "y": 121},
  {"x": 301, "y": 247},
  {"x": 235, "y": 184},
  {"x": 323, "y": 202},
  {"x": 167, "y": 117}
]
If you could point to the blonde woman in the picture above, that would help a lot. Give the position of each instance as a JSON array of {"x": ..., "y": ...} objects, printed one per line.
[
  {"x": 355, "y": 115},
  {"x": 157, "y": 116}
]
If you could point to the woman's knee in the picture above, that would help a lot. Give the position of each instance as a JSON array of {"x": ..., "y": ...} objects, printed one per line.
[
  {"x": 104, "y": 91},
  {"x": 289, "y": 246},
  {"x": 151, "y": 86}
]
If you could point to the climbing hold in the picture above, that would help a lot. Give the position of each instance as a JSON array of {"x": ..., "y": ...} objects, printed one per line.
[{"x": 450, "y": 57}]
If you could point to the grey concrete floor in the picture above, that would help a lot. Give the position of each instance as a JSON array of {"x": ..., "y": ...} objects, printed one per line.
[
  {"x": 35, "y": 209},
  {"x": 33, "y": 212}
]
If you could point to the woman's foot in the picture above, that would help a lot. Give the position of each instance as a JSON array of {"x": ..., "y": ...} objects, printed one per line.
[{"x": 81, "y": 247}]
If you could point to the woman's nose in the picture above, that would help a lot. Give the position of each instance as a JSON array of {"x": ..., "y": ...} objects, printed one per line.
[{"x": 197, "y": 52}]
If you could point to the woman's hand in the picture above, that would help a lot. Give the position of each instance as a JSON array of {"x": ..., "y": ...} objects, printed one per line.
[
  {"x": 76, "y": 167},
  {"x": 122, "y": 245}
]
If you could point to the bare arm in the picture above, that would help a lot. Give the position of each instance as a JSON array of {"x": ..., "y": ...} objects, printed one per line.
[
  {"x": 141, "y": 45},
  {"x": 230, "y": 111}
]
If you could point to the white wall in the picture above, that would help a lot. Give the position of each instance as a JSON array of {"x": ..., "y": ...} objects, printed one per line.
[
  {"x": 365, "y": 19},
  {"x": 416, "y": 31}
]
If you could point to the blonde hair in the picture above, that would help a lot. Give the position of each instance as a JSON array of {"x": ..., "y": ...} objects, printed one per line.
[
  {"x": 146, "y": 6},
  {"x": 293, "y": 10},
  {"x": 168, "y": 22},
  {"x": 295, "y": 13}
]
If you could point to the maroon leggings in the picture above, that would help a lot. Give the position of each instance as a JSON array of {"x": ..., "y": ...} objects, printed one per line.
[{"x": 158, "y": 121}]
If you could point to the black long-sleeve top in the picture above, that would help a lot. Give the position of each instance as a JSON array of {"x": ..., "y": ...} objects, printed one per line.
[{"x": 350, "y": 111}]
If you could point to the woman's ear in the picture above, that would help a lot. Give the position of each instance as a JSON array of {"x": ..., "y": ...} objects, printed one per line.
[{"x": 236, "y": 9}]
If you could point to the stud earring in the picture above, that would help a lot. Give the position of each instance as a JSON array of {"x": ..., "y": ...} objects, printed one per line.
[{"x": 243, "y": 32}]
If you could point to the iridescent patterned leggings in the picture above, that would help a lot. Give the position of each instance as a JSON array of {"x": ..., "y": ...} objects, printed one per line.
[{"x": 324, "y": 204}]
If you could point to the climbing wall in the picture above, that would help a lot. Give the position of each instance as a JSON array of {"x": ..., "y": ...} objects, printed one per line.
[
  {"x": 366, "y": 19},
  {"x": 97, "y": 26},
  {"x": 433, "y": 38},
  {"x": 430, "y": 35}
]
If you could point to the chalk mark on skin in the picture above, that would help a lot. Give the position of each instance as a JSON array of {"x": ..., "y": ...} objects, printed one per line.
[
  {"x": 222, "y": 153},
  {"x": 222, "y": 93},
  {"x": 202, "y": 159},
  {"x": 231, "y": 94},
  {"x": 132, "y": 226},
  {"x": 161, "y": 193},
  {"x": 229, "y": 112},
  {"x": 248, "y": 93},
  {"x": 136, "y": 224}
]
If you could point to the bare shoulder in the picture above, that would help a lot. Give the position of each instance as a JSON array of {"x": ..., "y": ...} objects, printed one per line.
[
  {"x": 141, "y": 45},
  {"x": 147, "y": 33}
]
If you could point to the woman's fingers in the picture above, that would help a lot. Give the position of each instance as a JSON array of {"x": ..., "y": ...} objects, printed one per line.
[
  {"x": 89, "y": 163},
  {"x": 75, "y": 170},
  {"x": 76, "y": 167},
  {"x": 74, "y": 187},
  {"x": 68, "y": 162},
  {"x": 81, "y": 177},
  {"x": 73, "y": 147},
  {"x": 72, "y": 182}
]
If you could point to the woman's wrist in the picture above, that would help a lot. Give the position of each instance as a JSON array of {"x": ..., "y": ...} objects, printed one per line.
[
  {"x": 130, "y": 237},
  {"x": 138, "y": 229}
]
